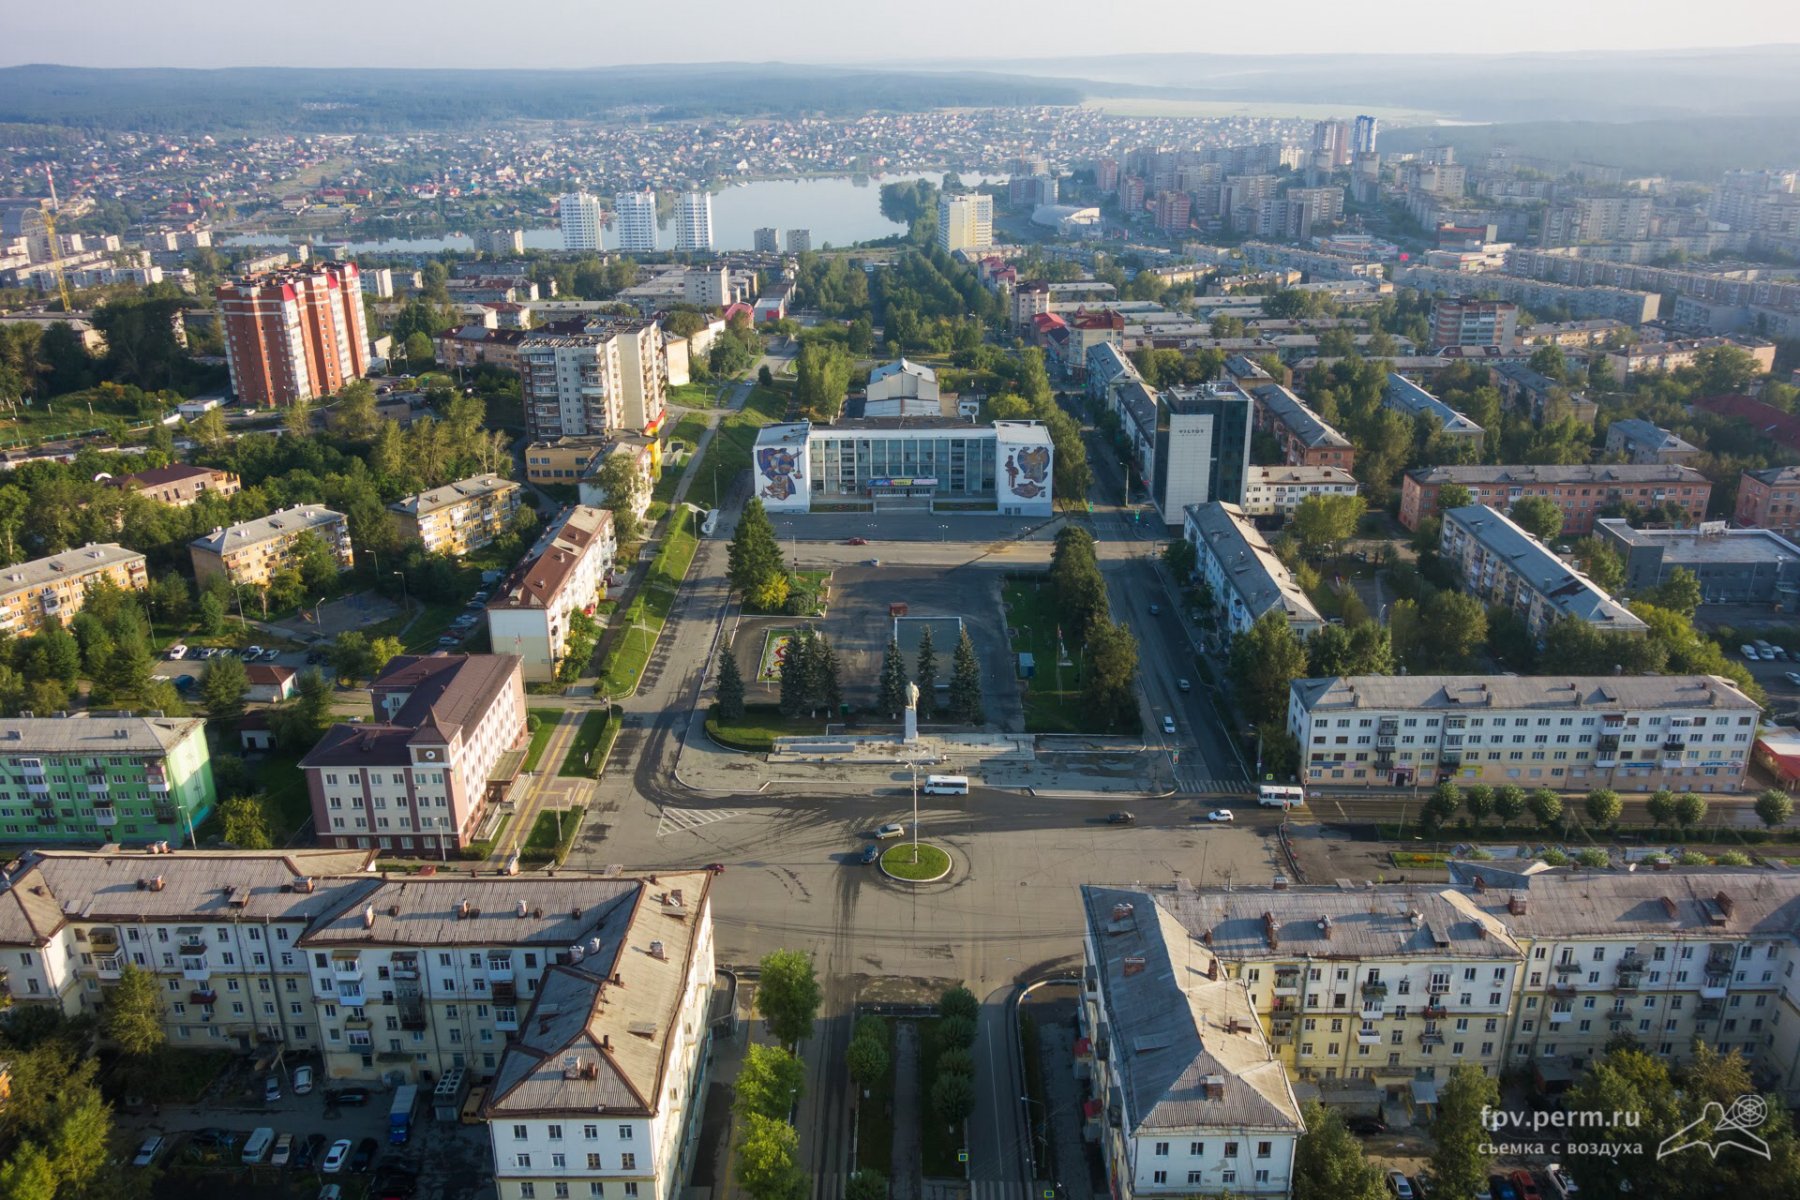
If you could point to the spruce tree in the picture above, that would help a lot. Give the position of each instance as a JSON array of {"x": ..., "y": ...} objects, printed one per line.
[
  {"x": 793, "y": 677},
  {"x": 965, "y": 682},
  {"x": 833, "y": 693},
  {"x": 754, "y": 556},
  {"x": 926, "y": 675},
  {"x": 731, "y": 687},
  {"x": 893, "y": 681}
]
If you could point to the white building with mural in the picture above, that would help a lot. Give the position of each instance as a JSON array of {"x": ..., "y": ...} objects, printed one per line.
[{"x": 905, "y": 464}]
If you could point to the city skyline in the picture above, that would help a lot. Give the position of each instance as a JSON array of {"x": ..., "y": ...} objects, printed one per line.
[{"x": 813, "y": 32}]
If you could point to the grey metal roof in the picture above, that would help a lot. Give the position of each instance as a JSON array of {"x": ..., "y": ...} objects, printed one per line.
[
  {"x": 1408, "y": 397},
  {"x": 1187, "y": 1047},
  {"x": 209, "y": 886},
  {"x": 1335, "y": 922},
  {"x": 452, "y": 494},
  {"x": 1600, "y": 473},
  {"x": 1562, "y": 587},
  {"x": 281, "y": 523},
  {"x": 1708, "y": 903},
  {"x": 95, "y": 733},
  {"x": 1644, "y": 433},
  {"x": 1305, "y": 424},
  {"x": 70, "y": 564},
  {"x": 1564, "y": 693},
  {"x": 1247, "y": 563}
]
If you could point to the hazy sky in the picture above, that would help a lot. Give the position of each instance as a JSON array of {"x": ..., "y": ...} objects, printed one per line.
[{"x": 582, "y": 33}]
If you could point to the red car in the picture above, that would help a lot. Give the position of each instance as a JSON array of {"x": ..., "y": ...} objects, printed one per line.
[
  {"x": 857, "y": 541},
  {"x": 716, "y": 868},
  {"x": 1528, "y": 1188}
]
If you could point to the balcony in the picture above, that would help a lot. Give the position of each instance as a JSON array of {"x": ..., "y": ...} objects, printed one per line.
[
  {"x": 203, "y": 996},
  {"x": 504, "y": 992},
  {"x": 1714, "y": 987},
  {"x": 1287, "y": 984},
  {"x": 194, "y": 968},
  {"x": 1632, "y": 961},
  {"x": 1627, "y": 982},
  {"x": 1709, "y": 1010},
  {"x": 1431, "y": 1037},
  {"x": 167, "y": 815},
  {"x": 1566, "y": 967},
  {"x": 1281, "y": 1028},
  {"x": 1612, "y": 724},
  {"x": 109, "y": 966},
  {"x": 97, "y": 785},
  {"x": 42, "y": 800},
  {"x": 1435, "y": 1011},
  {"x": 351, "y": 994},
  {"x": 1721, "y": 962},
  {"x": 507, "y": 1019},
  {"x": 1562, "y": 988},
  {"x": 103, "y": 937},
  {"x": 1560, "y": 1016},
  {"x": 1368, "y": 1037},
  {"x": 192, "y": 943},
  {"x": 347, "y": 968},
  {"x": 499, "y": 969},
  {"x": 1374, "y": 989},
  {"x": 105, "y": 815},
  {"x": 156, "y": 781},
  {"x": 1438, "y": 987}
]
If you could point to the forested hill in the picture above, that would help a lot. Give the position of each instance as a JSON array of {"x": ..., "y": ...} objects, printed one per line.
[{"x": 327, "y": 100}]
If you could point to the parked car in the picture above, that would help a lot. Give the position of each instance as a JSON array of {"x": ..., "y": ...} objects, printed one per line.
[
  {"x": 184, "y": 682},
  {"x": 336, "y": 1156},
  {"x": 1365, "y": 1126},
  {"x": 303, "y": 1080},
  {"x": 1120, "y": 818},
  {"x": 870, "y": 853},
  {"x": 271, "y": 1089},
  {"x": 269, "y": 655},
  {"x": 1156, "y": 610},
  {"x": 890, "y": 830},
  {"x": 283, "y": 1152},
  {"x": 1399, "y": 1185},
  {"x": 307, "y": 1152},
  {"x": 1561, "y": 1182},
  {"x": 252, "y": 651},
  {"x": 447, "y": 640},
  {"x": 353, "y": 1097},
  {"x": 1528, "y": 1188},
  {"x": 1793, "y": 677},
  {"x": 1220, "y": 815},
  {"x": 1502, "y": 1188},
  {"x": 177, "y": 651},
  {"x": 149, "y": 1151},
  {"x": 856, "y": 541},
  {"x": 1750, "y": 653},
  {"x": 332, "y": 1191},
  {"x": 364, "y": 1158},
  {"x": 716, "y": 868}
]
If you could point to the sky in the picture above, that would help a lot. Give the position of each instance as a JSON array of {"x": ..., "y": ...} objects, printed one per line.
[{"x": 591, "y": 33}]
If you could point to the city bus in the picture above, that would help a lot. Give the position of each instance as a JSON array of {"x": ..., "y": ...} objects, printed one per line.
[
  {"x": 946, "y": 785},
  {"x": 1275, "y": 795}
]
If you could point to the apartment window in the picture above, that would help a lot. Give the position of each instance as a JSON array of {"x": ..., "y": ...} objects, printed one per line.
[
  {"x": 627, "y": 1162},
  {"x": 1159, "y": 1177},
  {"x": 1196, "y": 1149},
  {"x": 562, "y": 1190},
  {"x": 624, "y": 1133},
  {"x": 1193, "y": 1177},
  {"x": 558, "y": 1161},
  {"x": 556, "y": 1133},
  {"x": 1231, "y": 1149},
  {"x": 1162, "y": 1149},
  {"x": 524, "y": 1160},
  {"x": 520, "y": 1133},
  {"x": 528, "y": 1191},
  {"x": 590, "y": 1132},
  {"x": 1264, "y": 1149},
  {"x": 593, "y": 1162}
]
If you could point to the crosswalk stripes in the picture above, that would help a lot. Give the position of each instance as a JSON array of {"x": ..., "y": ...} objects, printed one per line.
[
  {"x": 680, "y": 820},
  {"x": 994, "y": 1189},
  {"x": 1195, "y": 783}
]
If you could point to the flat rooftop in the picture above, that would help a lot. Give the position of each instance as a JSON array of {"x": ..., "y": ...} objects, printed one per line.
[
  {"x": 1563, "y": 693},
  {"x": 1712, "y": 546}
]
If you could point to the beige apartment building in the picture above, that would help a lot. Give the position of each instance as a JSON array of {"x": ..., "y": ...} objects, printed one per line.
[
  {"x": 564, "y": 573},
  {"x": 458, "y": 517},
  {"x": 180, "y": 485},
  {"x": 252, "y": 552},
  {"x": 1630, "y": 733},
  {"x": 564, "y": 460},
  {"x": 32, "y": 593},
  {"x": 583, "y": 1002}
]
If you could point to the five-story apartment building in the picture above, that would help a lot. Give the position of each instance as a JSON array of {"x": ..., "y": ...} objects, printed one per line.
[{"x": 251, "y": 553}]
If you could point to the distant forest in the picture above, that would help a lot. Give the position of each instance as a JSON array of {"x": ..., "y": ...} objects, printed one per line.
[{"x": 256, "y": 100}]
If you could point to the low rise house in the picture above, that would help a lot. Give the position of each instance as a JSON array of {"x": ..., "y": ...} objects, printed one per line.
[
  {"x": 1244, "y": 575},
  {"x": 1582, "y": 492},
  {"x": 1505, "y": 566},
  {"x": 458, "y": 517},
  {"x": 1770, "y": 499},
  {"x": 252, "y": 552},
  {"x": 179, "y": 485},
  {"x": 1410, "y": 400},
  {"x": 1733, "y": 566},
  {"x": 564, "y": 573},
  {"x": 1270, "y": 491},
  {"x": 1643, "y": 442},
  {"x": 1306, "y": 440},
  {"x": 55, "y": 588}
]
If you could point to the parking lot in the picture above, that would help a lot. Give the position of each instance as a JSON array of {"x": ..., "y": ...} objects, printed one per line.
[{"x": 202, "y": 1155}]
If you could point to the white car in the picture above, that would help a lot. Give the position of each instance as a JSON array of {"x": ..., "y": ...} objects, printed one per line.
[
  {"x": 1561, "y": 1182},
  {"x": 271, "y": 1089},
  {"x": 1220, "y": 815},
  {"x": 890, "y": 830},
  {"x": 1168, "y": 725},
  {"x": 177, "y": 651},
  {"x": 303, "y": 1080},
  {"x": 148, "y": 1152},
  {"x": 1750, "y": 653},
  {"x": 334, "y": 1157},
  {"x": 283, "y": 1152},
  {"x": 1793, "y": 677},
  {"x": 1398, "y": 1185}
]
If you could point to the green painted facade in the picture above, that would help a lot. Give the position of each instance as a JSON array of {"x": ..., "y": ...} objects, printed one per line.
[{"x": 53, "y": 793}]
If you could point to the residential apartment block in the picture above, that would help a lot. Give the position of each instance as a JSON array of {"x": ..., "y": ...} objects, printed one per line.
[
  {"x": 1410, "y": 400},
  {"x": 1269, "y": 491},
  {"x": 103, "y": 777},
  {"x": 693, "y": 221},
  {"x": 1505, "y": 566},
  {"x": 179, "y": 485},
  {"x": 32, "y": 593},
  {"x": 252, "y": 552},
  {"x": 636, "y": 215},
  {"x": 582, "y": 219},
  {"x": 1626, "y": 361},
  {"x": 584, "y": 1002},
  {"x": 1184, "y": 1093},
  {"x": 1632, "y": 733},
  {"x": 437, "y": 756},
  {"x": 965, "y": 222},
  {"x": 564, "y": 460},
  {"x": 294, "y": 334},
  {"x": 1580, "y": 491},
  {"x": 1620, "y": 304},
  {"x": 1377, "y": 992},
  {"x": 1473, "y": 323},
  {"x": 1243, "y": 573},
  {"x": 458, "y": 517},
  {"x": 611, "y": 376},
  {"x": 1644, "y": 442},
  {"x": 1306, "y": 440},
  {"x": 565, "y": 572},
  {"x": 1770, "y": 499}
]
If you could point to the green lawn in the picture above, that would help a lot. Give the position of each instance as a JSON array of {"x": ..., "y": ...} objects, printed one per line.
[
  {"x": 547, "y": 719},
  {"x": 551, "y": 835},
  {"x": 729, "y": 453},
  {"x": 874, "y": 1123},
  {"x": 288, "y": 807},
  {"x": 598, "y": 729},
  {"x": 695, "y": 395},
  {"x": 1031, "y": 610},
  {"x": 938, "y": 1142},
  {"x": 921, "y": 862},
  {"x": 762, "y": 724},
  {"x": 649, "y": 609}
]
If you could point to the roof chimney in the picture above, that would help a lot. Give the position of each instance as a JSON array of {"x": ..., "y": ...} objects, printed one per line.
[{"x": 368, "y": 916}]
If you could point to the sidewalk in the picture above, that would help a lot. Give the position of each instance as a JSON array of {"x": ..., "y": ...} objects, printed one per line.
[{"x": 905, "y": 1182}]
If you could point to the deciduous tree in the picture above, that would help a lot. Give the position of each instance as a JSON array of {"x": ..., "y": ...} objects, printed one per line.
[
  {"x": 1109, "y": 675},
  {"x": 769, "y": 1082},
  {"x": 1265, "y": 661},
  {"x": 1459, "y": 1163},
  {"x": 1329, "y": 1163},
  {"x": 788, "y": 995},
  {"x": 768, "y": 1155},
  {"x": 1539, "y": 516},
  {"x": 1774, "y": 807},
  {"x": 1604, "y": 807},
  {"x": 223, "y": 686}
]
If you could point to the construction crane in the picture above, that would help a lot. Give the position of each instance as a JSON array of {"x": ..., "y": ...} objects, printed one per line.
[{"x": 62, "y": 282}]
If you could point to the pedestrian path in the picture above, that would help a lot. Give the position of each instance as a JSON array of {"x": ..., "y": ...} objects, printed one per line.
[
  {"x": 990, "y": 1189},
  {"x": 1185, "y": 782},
  {"x": 682, "y": 820}
]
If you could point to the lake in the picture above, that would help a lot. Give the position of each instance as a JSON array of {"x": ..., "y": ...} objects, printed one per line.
[{"x": 838, "y": 210}]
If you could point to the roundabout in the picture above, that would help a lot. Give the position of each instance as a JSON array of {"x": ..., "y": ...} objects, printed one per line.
[{"x": 923, "y": 863}]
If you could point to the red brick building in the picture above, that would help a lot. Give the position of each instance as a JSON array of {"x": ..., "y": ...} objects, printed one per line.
[
  {"x": 1306, "y": 440},
  {"x": 298, "y": 333},
  {"x": 1580, "y": 491},
  {"x": 1770, "y": 499}
]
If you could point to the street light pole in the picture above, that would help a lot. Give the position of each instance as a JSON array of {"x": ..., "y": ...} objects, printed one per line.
[
  {"x": 405, "y": 601},
  {"x": 915, "y": 828}
]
